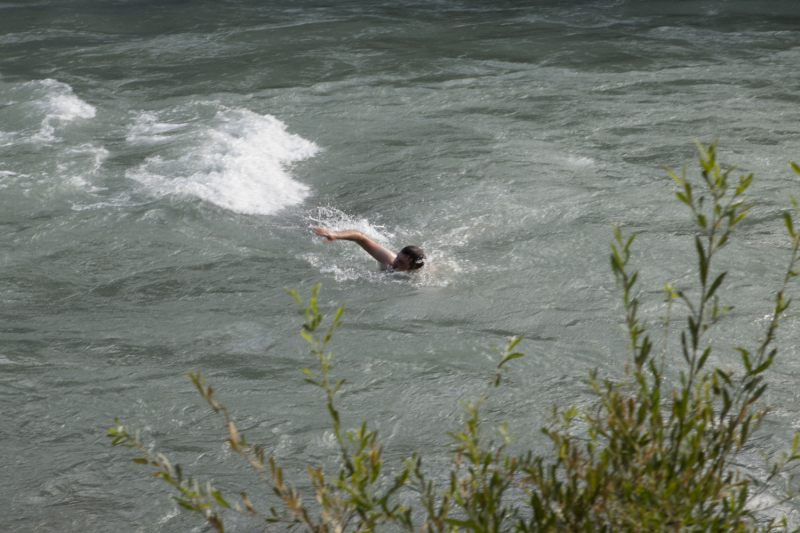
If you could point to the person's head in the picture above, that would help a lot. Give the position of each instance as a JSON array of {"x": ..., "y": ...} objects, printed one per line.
[{"x": 409, "y": 258}]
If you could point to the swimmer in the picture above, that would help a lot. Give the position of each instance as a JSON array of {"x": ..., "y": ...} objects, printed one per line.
[{"x": 409, "y": 258}]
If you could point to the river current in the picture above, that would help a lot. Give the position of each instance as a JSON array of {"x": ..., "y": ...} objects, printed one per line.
[{"x": 162, "y": 164}]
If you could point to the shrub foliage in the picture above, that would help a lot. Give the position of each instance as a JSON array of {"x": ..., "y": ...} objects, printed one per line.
[{"x": 652, "y": 453}]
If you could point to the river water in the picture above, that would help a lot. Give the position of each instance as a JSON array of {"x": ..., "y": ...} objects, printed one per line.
[{"x": 162, "y": 163}]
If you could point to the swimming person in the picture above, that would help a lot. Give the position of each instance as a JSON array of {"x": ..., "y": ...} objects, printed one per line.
[{"x": 409, "y": 258}]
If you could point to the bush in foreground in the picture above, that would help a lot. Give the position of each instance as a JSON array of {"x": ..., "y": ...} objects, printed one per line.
[{"x": 648, "y": 455}]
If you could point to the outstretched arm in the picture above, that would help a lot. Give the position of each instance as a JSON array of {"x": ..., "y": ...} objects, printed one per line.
[{"x": 380, "y": 253}]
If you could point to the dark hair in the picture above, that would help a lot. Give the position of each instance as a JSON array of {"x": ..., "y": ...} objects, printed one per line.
[{"x": 416, "y": 255}]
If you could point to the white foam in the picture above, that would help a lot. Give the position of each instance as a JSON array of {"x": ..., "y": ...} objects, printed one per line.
[
  {"x": 147, "y": 129},
  {"x": 7, "y": 177},
  {"x": 82, "y": 162},
  {"x": 97, "y": 154},
  {"x": 239, "y": 162},
  {"x": 580, "y": 161},
  {"x": 60, "y": 105}
]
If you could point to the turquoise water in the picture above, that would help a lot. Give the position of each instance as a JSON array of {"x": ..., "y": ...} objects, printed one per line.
[{"x": 162, "y": 163}]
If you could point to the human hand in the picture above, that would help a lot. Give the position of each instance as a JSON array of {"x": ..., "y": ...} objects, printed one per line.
[{"x": 328, "y": 234}]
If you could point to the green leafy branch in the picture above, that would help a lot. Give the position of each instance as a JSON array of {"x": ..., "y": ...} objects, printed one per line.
[{"x": 647, "y": 455}]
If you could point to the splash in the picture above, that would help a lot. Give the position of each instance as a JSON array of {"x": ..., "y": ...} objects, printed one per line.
[
  {"x": 332, "y": 218},
  {"x": 349, "y": 262}
]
